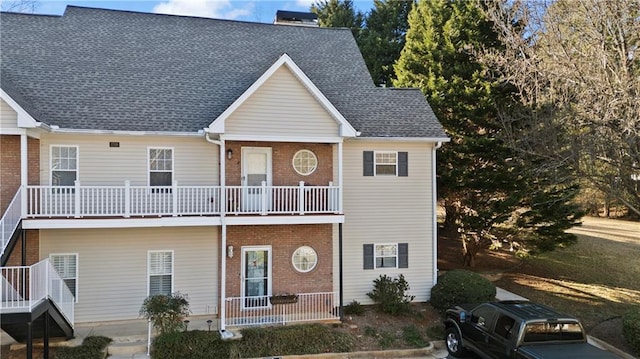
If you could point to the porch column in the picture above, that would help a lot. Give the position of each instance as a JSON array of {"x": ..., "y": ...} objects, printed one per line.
[
  {"x": 340, "y": 177},
  {"x": 24, "y": 174}
]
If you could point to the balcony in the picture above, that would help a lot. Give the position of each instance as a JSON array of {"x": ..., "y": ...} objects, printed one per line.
[{"x": 155, "y": 201}]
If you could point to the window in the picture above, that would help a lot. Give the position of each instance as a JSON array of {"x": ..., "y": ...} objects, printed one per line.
[
  {"x": 304, "y": 259},
  {"x": 64, "y": 165},
  {"x": 67, "y": 267},
  {"x": 504, "y": 326},
  {"x": 386, "y": 255},
  {"x": 160, "y": 167},
  {"x": 390, "y": 255},
  {"x": 483, "y": 316},
  {"x": 385, "y": 163},
  {"x": 305, "y": 162},
  {"x": 160, "y": 269}
]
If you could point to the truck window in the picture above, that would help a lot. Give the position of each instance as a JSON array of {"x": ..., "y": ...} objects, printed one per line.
[
  {"x": 483, "y": 316},
  {"x": 552, "y": 331},
  {"x": 504, "y": 326}
]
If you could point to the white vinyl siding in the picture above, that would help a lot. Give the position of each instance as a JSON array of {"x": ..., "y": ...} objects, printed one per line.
[
  {"x": 64, "y": 165},
  {"x": 195, "y": 161},
  {"x": 113, "y": 279},
  {"x": 67, "y": 267},
  {"x": 282, "y": 106},
  {"x": 401, "y": 210},
  {"x": 8, "y": 118},
  {"x": 160, "y": 269}
]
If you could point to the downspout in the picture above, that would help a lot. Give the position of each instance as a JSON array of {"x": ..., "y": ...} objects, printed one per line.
[
  {"x": 223, "y": 240},
  {"x": 434, "y": 197}
]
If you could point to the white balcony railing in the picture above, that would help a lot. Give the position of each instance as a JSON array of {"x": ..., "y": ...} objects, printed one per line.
[
  {"x": 9, "y": 221},
  {"x": 23, "y": 288},
  {"x": 308, "y": 307},
  {"x": 140, "y": 201}
]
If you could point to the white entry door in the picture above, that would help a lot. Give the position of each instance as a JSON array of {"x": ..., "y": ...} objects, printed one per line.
[
  {"x": 256, "y": 168},
  {"x": 256, "y": 276}
]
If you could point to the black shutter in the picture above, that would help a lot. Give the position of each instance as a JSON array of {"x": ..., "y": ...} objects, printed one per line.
[
  {"x": 367, "y": 254},
  {"x": 367, "y": 163},
  {"x": 403, "y": 164},
  {"x": 403, "y": 255}
]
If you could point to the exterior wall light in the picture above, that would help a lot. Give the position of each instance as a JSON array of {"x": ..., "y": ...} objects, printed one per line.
[
  {"x": 229, "y": 153},
  {"x": 230, "y": 251}
]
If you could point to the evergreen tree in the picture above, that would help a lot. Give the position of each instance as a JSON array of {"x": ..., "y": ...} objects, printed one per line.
[
  {"x": 383, "y": 38},
  {"x": 489, "y": 194},
  {"x": 339, "y": 13}
]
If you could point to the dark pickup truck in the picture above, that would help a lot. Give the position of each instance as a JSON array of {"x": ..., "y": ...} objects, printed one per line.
[{"x": 517, "y": 329}]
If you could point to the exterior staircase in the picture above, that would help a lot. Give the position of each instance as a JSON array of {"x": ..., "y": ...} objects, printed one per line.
[{"x": 35, "y": 302}]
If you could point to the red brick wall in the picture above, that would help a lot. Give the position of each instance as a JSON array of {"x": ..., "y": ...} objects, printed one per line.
[
  {"x": 9, "y": 169},
  {"x": 33, "y": 250},
  {"x": 284, "y": 240},
  {"x": 10, "y": 166},
  {"x": 33, "y": 153},
  {"x": 282, "y": 155}
]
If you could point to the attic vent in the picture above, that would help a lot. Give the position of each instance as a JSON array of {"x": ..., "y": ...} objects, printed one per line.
[
  {"x": 114, "y": 144},
  {"x": 296, "y": 18}
]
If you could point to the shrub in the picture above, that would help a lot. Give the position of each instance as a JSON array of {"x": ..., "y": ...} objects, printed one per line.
[
  {"x": 389, "y": 294},
  {"x": 461, "y": 286},
  {"x": 354, "y": 308},
  {"x": 91, "y": 348},
  {"x": 166, "y": 312},
  {"x": 631, "y": 328},
  {"x": 413, "y": 337},
  {"x": 255, "y": 342}
]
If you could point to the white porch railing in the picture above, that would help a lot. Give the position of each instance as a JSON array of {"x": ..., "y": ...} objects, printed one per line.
[
  {"x": 309, "y": 307},
  {"x": 9, "y": 221},
  {"x": 140, "y": 201},
  {"x": 299, "y": 199},
  {"x": 23, "y": 288}
]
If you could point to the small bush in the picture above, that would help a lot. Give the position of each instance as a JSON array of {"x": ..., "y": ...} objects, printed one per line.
[
  {"x": 461, "y": 286},
  {"x": 91, "y": 348},
  {"x": 166, "y": 312},
  {"x": 193, "y": 344},
  {"x": 631, "y": 328},
  {"x": 354, "y": 308},
  {"x": 386, "y": 340},
  {"x": 389, "y": 294},
  {"x": 413, "y": 337}
]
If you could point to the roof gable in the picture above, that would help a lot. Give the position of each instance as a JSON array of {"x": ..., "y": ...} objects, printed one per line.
[{"x": 346, "y": 130}]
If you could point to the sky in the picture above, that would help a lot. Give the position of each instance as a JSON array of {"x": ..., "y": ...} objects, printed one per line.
[{"x": 244, "y": 10}]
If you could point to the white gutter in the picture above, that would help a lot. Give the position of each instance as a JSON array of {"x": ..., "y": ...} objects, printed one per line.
[
  {"x": 404, "y": 139},
  {"x": 57, "y": 129},
  {"x": 434, "y": 196},
  {"x": 223, "y": 241}
]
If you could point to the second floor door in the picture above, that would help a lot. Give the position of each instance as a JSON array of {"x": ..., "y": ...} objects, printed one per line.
[{"x": 256, "y": 168}]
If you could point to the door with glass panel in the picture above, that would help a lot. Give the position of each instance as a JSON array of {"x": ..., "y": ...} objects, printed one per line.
[
  {"x": 256, "y": 276},
  {"x": 256, "y": 168}
]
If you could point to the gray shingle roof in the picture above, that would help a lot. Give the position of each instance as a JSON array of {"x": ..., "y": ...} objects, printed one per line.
[{"x": 118, "y": 70}]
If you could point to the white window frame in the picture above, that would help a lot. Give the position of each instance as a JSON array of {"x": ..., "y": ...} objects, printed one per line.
[
  {"x": 376, "y": 256},
  {"x": 376, "y": 163},
  {"x": 173, "y": 262},
  {"x": 76, "y": 256},
  {"x": 51, "y": 170},
  {"x": 243, "y": 293},
  {"x": 173, "y": 164},
  {"x": 300, "y": 152},
  {"x": 293, "y": 260}
]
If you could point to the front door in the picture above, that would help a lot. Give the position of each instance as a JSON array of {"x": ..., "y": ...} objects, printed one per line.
[
  {"x": 256, "y": 168},
  {"x": 256, "y": 276}
]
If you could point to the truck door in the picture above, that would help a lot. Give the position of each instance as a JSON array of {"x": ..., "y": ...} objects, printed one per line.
[
  {"x": 481, "y": 323},
  {"x": 503, "y": 337}
]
